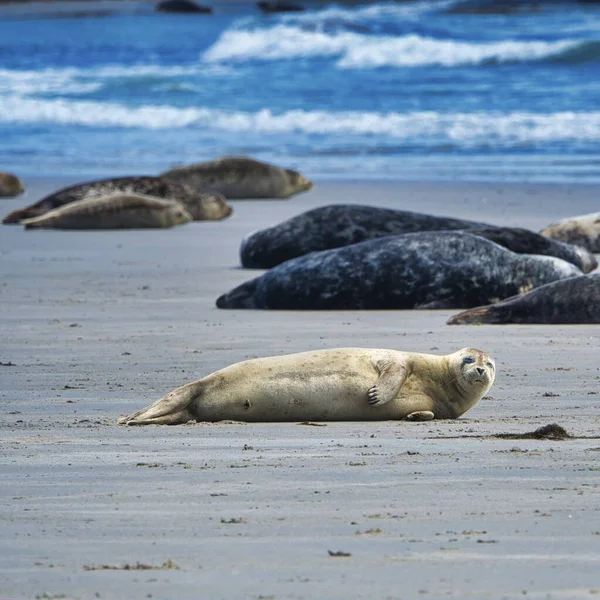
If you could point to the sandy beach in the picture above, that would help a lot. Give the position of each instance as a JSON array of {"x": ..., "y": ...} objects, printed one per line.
[{"x": 98, "y": 324}]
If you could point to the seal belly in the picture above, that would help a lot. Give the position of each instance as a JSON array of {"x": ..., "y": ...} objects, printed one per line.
[{"x": 309, "y": 388}]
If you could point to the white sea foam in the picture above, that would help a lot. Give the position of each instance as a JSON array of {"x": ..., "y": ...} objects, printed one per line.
[
  {"x": 424, "y": 128},
  {"x": 381, "y": 11},
  {"x": 359, "y": 51},
  {"x": 73, "y": 80}
]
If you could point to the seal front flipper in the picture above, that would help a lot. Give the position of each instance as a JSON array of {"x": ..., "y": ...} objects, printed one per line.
[
  {"x": 171, "y": 409},
  {"x": 420, "y": 415},
  {"x": 391, "y": 377}
]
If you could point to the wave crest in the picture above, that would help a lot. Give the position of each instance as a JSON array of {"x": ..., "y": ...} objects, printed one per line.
[
  {"x": 425, "y": 128},
  {"x": 359, "y": 51}
]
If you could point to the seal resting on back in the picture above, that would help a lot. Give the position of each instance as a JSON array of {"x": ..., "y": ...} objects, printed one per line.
[
  {"x": 568, "y": 302},
  {"x": 118, "y": 211},
  {"x": 201, "y": 206},
  {"x": 338, "y": 225},
  {"x": 433, "y": 269},
  {"x": 583, "y": 231},
  {"x": 342, "y": 384},
  {"x": 239, "y": 177},
  {"x": 10, "y": 185}
]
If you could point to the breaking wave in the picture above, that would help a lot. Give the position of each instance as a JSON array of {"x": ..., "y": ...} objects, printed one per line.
[
  {"x": 359, "y": 51},
  {"x": 424, "y": 128}
]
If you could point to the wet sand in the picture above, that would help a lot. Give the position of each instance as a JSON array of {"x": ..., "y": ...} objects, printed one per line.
[{"x": 97, "y": 324}]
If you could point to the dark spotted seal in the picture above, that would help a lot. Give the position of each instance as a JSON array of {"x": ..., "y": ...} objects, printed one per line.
[
  {"x": 569, "y": 301},
  {"x": 239, "y": 178},
  {"x": 117, "y": 211},
  {"x": 339, "y": 384},
  {"x": 198, "y": 205},
  {"x": 340, "y": 225},
  {"x": 416, "y": 270}
]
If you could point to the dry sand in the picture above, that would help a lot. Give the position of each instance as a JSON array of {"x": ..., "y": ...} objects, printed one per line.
[{"x": 97, "y": 324}]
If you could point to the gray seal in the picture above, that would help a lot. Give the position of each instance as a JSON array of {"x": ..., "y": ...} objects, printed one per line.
[
  {"x": 117, "y": 211},
  {"x": 200, "y": 205},
  {"x": 10, "y": 185},
  {"x": 338, "y": 384},
  {"x": 240, "y": 178},
  {"x": 338, "y": 225},
  {"x": 583, "y": 231},
  {"x": 416, "y": 270},
  {"x": 569, "y": 302}
]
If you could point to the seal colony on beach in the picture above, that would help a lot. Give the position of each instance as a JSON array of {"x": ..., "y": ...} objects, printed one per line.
[
  {"x": 340, "y": 384},
  {"x": 208, "y": 205},
  {"x": 117, "y": 211},
  {"x": 240, "y": 178},
  {"x": 338, "y": 225},
  {"x": 429, "y": 270},
  {"x": 583, "y": 231},
  {"x": 10, "y": 185},
  {"x": 567, "y": 302}
]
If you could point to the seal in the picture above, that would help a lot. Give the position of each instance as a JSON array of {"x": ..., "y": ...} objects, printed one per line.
[
  {"x": 334, "y": 226},
  {"x": 583, "y": 231},
  {"x": 182, "y": 7},
  {"x": 567, "y": 302},
  {"x": 10, "y": 185},
  {"x": 239, "y": 177},
  {"x": 200, "y": 206},
  {"x": 432, "y": 269},
  {"x": 338, "y": 384},
  {"x": 279, "y": 6},
  {"x": 338, "y": 225},
  {"x": 117, "y": 211}
]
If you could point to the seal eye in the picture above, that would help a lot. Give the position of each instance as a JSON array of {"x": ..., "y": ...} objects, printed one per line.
[
  {"x": 467, "y": 360},
  {"x": 490, "y": 365}
]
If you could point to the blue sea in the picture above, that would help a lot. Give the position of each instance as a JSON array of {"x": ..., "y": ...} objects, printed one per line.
[{"x": 421, "y": 90}]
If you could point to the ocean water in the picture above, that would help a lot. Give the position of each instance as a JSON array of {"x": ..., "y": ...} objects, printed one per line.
[{"x": 387, "y": 90}]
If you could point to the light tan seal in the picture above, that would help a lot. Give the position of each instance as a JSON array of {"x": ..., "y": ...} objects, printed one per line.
[
  {"x": 10, "y": 185},
  {"x": 342, "y": 384},
  {"x": 581, "y": 231},
  {"x": 117, "y": 211},
  {"x": 237, "y": 177}
]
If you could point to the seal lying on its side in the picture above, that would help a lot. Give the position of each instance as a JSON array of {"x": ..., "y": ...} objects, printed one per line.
[
  {"x": 239, "y": 178},
  {"x": 570, "y": 301},
  {"x": 434, "y": 269},
  {"x": 10, "y": 185},
  {"x": 207, "y": 205},
  {"x": 583, "y": 231},
  {"x": 118, "y": 211},
  {"x": 343, "y": 384},
  {"x": 340, "y": 225}
]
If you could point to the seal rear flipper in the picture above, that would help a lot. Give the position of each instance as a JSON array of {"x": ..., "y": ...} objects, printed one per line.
[
  {"x": 16, "y": 216},
  {"x": 473, "y": 316},
  {"x": 172, "y": 409},
  {"x": 240, "y": 297}
]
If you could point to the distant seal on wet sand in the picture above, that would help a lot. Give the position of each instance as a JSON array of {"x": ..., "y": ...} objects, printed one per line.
[
  {"x": 570, "y": 301},
  {"x": 338, "y": 225},
  {"x": 10, "y": 185},
  {"x": 444, "y": 269},
  {"x": 199, "y": 205},
  {"x": 239, "y": 178},
  {"x": 182, "y": 7},
  {"x": 583, "y": 231},
  {"x": 339, "y": 384},
  {"x": 117, "y": 211}
]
